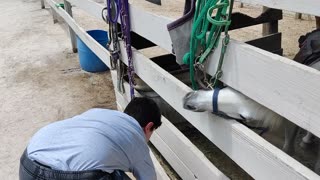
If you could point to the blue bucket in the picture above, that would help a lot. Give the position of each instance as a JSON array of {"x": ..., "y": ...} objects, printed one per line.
[{"x": 88, "y": 60}]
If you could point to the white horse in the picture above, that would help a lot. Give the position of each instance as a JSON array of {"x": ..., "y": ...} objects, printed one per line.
[
  {"x": 237, "y": 105},
  {"x": 234, "y": 104}
]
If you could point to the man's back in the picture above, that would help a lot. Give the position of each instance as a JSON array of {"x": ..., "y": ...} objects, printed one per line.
[{"x": 97, "y": 139}]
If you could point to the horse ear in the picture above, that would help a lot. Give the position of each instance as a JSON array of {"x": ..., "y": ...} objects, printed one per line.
[{"x": 301, "y": 40}]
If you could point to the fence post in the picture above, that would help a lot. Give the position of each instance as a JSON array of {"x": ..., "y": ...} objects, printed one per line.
[
  {"x": 54, "y": 15},
  {"x": 298, "y": 16},
  {"x": 271, "y": 27},
  {"x": 42, "y": 4},
  {"x": 67, "y": 7}
]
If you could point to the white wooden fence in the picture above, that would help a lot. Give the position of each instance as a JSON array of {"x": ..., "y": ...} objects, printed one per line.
[{"x": 274, "y": 81}]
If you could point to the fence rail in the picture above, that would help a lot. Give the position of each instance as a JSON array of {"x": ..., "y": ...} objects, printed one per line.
[{"x": 280, "y": 82}]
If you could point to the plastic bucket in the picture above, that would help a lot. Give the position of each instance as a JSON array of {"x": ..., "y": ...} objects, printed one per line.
[{"x": 88, "y": 60}]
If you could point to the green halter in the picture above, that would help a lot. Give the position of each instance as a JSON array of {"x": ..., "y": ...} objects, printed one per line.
[{"x": 202, "y": 43}]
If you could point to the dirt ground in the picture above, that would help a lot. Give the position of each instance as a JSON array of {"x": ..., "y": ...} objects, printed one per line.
[{"x": 41, "y": 80}]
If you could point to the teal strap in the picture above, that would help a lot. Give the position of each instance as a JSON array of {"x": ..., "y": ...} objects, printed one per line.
[{"x": 59, "y": 5}]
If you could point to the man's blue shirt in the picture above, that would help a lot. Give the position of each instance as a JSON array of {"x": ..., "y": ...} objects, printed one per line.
[{"x": 97, "y": 139}]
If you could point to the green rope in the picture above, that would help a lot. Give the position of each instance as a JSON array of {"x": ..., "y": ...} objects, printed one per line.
[
  {"x": 60, "y": 5},
  {"x": 201, "y": 43}
]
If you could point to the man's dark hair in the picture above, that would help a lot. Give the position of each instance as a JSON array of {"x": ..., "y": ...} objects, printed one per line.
[{"x": 144, "y": 110}]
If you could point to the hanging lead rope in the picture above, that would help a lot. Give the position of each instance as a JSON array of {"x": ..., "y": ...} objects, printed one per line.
[
  {"x": 125, "y": 26},
  {"x": 113, "y": 46},
  {"x": 113, "y": 9},
  {"x": 202, "y": 43},
  {"x": 116, "y": 8}
]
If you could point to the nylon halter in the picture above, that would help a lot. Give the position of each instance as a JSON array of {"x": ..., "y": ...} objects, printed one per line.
[
  {"x": 203, "y": 43},
  {"x": 125, "y": 27},
  {"x": 120, "y": 8},
  {"x": 242, "y": 121}
]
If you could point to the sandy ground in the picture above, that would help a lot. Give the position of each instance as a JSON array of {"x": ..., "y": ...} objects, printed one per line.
[{"x": 41, "y": 80}]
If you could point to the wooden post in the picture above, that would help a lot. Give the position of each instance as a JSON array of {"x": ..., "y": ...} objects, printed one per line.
[
  {"x": 241, "y": 5},
  {"x": 298, "y": 16},
  {"x": 67, "y": 7},
  {"x": 318, "y": 22},
  {"x": 54, "y": 16},
  {"x": 42, "y": 4},
  {"x": 269, "y": 28}
]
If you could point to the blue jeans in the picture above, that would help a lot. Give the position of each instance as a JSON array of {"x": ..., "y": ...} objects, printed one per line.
[{"x": 30, "y": 170}]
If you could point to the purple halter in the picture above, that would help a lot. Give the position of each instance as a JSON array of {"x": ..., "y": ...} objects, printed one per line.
[
  {"x": 122, "y": 9},
  {"x": 118, "y": 5},
  {"x": 125, "y": 26}
]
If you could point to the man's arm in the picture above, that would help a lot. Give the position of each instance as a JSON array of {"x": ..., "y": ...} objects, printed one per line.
[{"x": 144, "y": 170}]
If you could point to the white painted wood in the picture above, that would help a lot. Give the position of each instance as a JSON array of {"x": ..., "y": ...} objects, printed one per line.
[
  {"x": 286, "y": 87},
  {"x": 172, "y": 158},
  {"x": 194, "y": 159},
  {"x": 244, "y": 64},
  {"x": 100, "y": 51},
  {"x": 161, "y": 173},
  {"x": 301, "y": 6},
  {"x": 148, "y": 25},
  {"x": 181, "y": 154},
  {"x": 256, "y": 156},
  {"x": 259, "y": 158},
  {"x": 89, "y": 6}
]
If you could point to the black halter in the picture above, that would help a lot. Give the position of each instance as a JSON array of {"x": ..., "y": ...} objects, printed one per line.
[{"x": 225, "y": 116}]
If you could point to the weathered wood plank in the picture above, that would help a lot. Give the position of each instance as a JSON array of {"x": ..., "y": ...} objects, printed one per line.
[
  {"x": 73, "y": 38},
  {"x": 255, "y": 155},
  {"x": 270, "y": 27},
  {"x": 181, "y": 154},
  {"x": 240, "y": 20},
  {"x": 271, "y": 43}
]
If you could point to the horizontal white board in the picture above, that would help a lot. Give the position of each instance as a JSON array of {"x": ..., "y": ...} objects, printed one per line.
[
  {"x": 255, "y": 155},
  {"x": 286, "y": 87},
  {"x": 140, "y": 21},
  {"x": 181, "y": 154},
  {"x": 99, "y": 50}
]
